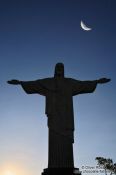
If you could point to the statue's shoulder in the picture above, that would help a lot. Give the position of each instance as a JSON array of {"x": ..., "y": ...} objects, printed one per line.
[
  {"x": 46, "y": 79},
  {"x": 70, "y": 79}
]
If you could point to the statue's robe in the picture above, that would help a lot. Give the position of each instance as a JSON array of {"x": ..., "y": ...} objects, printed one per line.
[{"x": 59, "y": 110}]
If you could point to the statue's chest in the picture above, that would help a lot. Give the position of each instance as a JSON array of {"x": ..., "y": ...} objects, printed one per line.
[{"x": 62, "y": 88}]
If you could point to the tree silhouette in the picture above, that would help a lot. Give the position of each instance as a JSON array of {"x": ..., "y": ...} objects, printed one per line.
[{"x": 107, "y": 165}]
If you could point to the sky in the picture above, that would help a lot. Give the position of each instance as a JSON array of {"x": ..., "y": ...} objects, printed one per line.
[{"x": 34, "y": 36}]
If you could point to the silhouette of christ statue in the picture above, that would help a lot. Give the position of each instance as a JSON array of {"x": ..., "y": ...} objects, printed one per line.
[{"x": 59, "y": 91}]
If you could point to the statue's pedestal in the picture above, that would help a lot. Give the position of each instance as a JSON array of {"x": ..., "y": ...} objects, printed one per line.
[{"x": 61, "y": 171}]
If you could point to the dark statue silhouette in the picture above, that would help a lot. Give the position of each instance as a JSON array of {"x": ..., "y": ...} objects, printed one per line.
[{"x": 59, "y": 91}]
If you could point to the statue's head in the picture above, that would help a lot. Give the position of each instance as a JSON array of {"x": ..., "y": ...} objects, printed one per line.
[{"x": 59, "y": 70}]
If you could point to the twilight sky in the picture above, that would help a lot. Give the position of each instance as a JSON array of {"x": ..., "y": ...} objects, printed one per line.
[{"x": 34, "y": 36}]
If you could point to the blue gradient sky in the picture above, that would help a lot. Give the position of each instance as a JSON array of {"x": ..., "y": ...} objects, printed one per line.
[{"x": 34, "y": 36}]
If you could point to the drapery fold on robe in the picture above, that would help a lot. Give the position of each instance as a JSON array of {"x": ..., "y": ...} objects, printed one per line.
[{"x": 59, "y": 102}]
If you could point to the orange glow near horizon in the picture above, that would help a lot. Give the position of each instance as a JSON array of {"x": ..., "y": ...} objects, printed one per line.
[
  {"x": 9, "y": 173},
  {"x": 12, "y": 170}
]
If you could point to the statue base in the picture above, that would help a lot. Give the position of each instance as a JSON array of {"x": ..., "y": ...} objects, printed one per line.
[{"x": 61, "y": 171}]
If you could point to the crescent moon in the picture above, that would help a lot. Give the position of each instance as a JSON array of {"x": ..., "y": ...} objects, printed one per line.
[{"x": 84, "y": 27}]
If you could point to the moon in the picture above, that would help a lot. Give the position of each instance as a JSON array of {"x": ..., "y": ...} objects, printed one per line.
[{"x": 84, "y": 27}]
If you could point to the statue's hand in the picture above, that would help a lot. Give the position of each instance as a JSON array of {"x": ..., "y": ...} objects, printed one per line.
[
  {"x": 103, "y": 80},
  {"x": 14, "y": 82}
]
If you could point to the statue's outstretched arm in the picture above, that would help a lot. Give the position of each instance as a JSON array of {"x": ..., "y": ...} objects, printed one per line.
[
  {"x": 82, "y": 87},
  {"x": 30, "y": 87},
  {"x": 14, "y": 82},
  {"x": 103, "y": 80}
]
